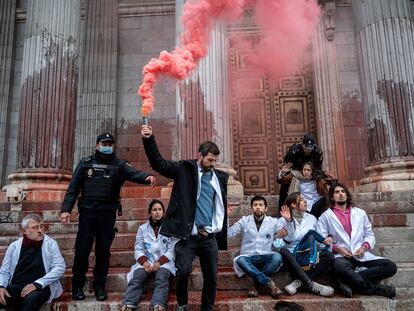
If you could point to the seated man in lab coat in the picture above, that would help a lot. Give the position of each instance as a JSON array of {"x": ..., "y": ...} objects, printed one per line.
[
  {"x": 353, "y": 237},
  {"x": 257, "y": 259},
  {"x": 31, "y": 268}
]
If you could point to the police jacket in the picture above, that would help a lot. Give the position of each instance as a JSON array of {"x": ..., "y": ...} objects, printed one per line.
[
  {"x": 297, "y": 157},
  {"x": 99, "y": 183},
  {"x": 180, "y": 215}
]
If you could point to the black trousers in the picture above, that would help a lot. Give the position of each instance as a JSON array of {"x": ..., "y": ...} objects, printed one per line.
[
  {"x": 95, "y": 225},
  {"x": 363, "y": 281},
  {"x": 326, "y": 259},
  {"x": 185, "y": 251},
  {"x": 34, "y": 301}
]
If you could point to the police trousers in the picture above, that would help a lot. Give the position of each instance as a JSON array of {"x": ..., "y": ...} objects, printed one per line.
[{"x": 98, "y": 226}]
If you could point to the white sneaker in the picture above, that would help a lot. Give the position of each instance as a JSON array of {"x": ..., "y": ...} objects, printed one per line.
[
  {"x": 320, "y": 289},
  {"x": 293, "y": 287}
]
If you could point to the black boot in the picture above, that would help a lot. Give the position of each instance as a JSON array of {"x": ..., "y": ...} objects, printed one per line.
[
  {"x": 77, "y": 293},
  {"x": 385, "y": 290},
  {"x": 100, "y": 293},
  {"x": 344, "y": 289}
]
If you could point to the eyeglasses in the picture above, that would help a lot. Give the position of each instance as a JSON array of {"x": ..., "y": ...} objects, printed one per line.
[{"x": 41, "y": 227}]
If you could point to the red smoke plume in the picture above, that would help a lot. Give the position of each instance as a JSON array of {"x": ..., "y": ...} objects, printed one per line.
[{"x": 287, "y": 28}]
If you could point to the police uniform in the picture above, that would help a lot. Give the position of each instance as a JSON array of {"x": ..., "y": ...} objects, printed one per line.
[
  {"x": 296, "y": 155},
  {"x": 98, "y": 179}
]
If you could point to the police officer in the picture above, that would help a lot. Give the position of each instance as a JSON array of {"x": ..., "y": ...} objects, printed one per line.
[
  {"x": 296, "y": 157},
  {"x": 98, "y": 179}
]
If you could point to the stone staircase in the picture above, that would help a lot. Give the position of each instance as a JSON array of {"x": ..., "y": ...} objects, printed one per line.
[{"x": 392, "y": 216}]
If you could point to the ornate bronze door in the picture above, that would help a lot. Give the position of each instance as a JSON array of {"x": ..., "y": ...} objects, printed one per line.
[{"x": 268, "y": 116}]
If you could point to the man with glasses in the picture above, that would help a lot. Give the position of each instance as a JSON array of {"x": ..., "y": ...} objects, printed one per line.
[{"x": 31, "y": 268}]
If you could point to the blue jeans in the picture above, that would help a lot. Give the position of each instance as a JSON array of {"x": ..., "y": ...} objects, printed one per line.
[{"x": 260, "y": 267}]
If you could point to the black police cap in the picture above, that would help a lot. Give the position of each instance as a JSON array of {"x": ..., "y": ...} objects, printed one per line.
[
  {"x": 105, "y": 137},
  {"x": 308, "y": 141}
]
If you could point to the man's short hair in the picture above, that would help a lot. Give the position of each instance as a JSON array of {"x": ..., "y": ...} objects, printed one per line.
[
  {"x": 26, "y": 219},
  {"x": 208, "y": 147},
  {"x": 331, "y": 201},
  {"x": 258, "y": 198}
]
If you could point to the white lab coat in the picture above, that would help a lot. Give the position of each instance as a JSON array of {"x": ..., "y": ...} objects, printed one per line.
[
  {"x": 52, "y": 260},
  {"x": 295, "y": 235},
  {"x": 254, "y": 242},
  {"x": 146, "y": 244},
  {"x": 329, "y": 224}
]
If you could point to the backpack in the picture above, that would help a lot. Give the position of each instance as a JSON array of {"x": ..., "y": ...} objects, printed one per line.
[{"x": 306, "y": 251}]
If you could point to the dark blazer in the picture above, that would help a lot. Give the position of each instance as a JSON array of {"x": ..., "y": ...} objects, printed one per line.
[{"x": 180, "y": 215}]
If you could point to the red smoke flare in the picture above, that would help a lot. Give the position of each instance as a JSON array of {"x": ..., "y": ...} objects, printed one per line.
[{"x": 280, "y": 20}]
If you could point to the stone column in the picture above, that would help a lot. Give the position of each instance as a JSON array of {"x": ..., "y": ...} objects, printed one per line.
[
  {"x": 327, "y": 94},
  {"x": 202, "y": 104},
  {"x": 7, "y": 21},
  {"x": 97, "y": 86},
  {"x": 385, "y": 41},
  {"x": 48, "y": 95}
]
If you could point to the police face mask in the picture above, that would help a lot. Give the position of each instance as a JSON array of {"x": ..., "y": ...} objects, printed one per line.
[{"x": 106, "y": 149}]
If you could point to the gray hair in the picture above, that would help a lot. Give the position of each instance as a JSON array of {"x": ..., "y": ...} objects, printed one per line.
[{"x": 28, "y": 217}]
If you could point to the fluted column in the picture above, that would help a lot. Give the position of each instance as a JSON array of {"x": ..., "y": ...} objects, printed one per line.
[
  {"x": 7, "y": 20},
  {"x": 202, "y": 104},
  {"x": 97, "y": 89},
  {"x": 385, "y": 38},
  {"x": 48, "y": 94},
  {"x": 327, "y": 94}
]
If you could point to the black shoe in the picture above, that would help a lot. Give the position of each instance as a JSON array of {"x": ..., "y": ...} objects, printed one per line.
[
  {"x": 344, "y": 289},
  {"x": 77, "y": 293},
  {"x": 100, "y": 293},
  {"x": 385, "y": 290}
]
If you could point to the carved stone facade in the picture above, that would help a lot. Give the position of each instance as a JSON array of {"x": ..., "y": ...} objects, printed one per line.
[{"x": 356, "y": 97}]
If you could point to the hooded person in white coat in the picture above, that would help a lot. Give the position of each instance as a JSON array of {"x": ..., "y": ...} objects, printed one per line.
[
  {"x": 31, "y": 268},
  {"x": 353, "y": 237},
  {"x": 257, "y": 258},
  {"x": 154, "y": 254}
]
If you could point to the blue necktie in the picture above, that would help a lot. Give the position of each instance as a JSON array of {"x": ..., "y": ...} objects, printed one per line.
[{"x": 204, "y": 211}]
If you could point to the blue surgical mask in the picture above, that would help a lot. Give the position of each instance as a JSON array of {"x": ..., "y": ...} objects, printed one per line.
[{"x": 106, "y": 149}]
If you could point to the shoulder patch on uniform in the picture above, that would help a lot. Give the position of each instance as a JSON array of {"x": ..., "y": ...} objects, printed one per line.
[{"x": 87, "y": 159}]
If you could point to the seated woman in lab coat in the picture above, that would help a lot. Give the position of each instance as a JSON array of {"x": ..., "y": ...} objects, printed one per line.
[
  {"x": 154, "y": 254},
  {"x": 298, "y": 223},
  {"x": 312, "y": 185}
]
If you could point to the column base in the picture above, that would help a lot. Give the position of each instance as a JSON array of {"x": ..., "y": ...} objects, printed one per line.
[
  {"x": 40, "y": 186},
  {"x": 388, "y": 177}
]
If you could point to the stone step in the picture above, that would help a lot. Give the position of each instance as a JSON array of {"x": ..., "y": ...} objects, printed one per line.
[
  {"x": 55, "y": 226},
  {"x": 67, "y": 241},
  {"x": 396, "y": 196},
  {"x": 228, "y": 281},
  {"x": 397, "y": 252},
  {"x": 392, "y": 235},
  {"x": 126, "y": 240},
  {"x": 236, "y": 301},
  {"x": 52, "y": 228}
]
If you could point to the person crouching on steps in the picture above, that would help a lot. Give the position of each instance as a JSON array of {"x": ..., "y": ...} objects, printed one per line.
[
  {"x": 301, "y": 228},
  {"x": 154, "y": 254}
]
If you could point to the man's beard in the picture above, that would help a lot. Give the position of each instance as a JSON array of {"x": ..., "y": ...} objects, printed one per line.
[
  {"x": 341, "y": 202},
  {"x": 258, "y": 214}
]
